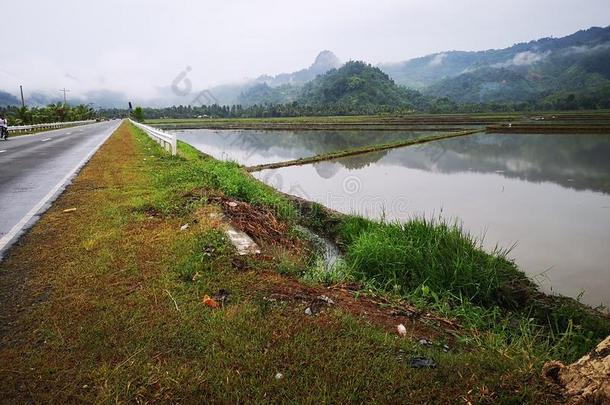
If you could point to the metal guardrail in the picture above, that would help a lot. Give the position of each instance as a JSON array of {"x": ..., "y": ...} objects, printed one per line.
[
  {"x": 166, "y": 140},
  {"x": 50, "y": 125}
]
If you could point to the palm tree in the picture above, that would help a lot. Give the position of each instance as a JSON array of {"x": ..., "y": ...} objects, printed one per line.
[
  {"x": 58, "y": 111},
  {"x": 82, "y": 112},
  {"x": 23, "y": 115}
]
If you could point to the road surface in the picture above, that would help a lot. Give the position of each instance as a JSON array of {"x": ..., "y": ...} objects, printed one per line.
[{"x": 34, "y": 170}]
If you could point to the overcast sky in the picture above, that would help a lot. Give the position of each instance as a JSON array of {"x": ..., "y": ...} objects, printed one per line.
[{"x": 137, "y": 46}]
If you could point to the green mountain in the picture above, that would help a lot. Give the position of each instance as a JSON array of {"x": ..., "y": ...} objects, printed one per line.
[
  {"x": 354, "y": 86},
  {"x": 546, "y": 71},
  {"x": 571, "y": 72},
  {"x": 564, "y": 73},
  {"x": 355, "y": 83}
]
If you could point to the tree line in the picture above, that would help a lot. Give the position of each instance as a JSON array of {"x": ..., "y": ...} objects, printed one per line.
[
  {"x": 56, "y": 112},
  {"x": 294, "y": 109}
]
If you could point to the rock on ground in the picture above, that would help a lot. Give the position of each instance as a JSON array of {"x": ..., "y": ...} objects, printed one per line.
[{"x": 588, "y": 380}]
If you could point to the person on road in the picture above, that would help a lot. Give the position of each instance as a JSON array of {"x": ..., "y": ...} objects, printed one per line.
[{"x": 3, "y": 127}]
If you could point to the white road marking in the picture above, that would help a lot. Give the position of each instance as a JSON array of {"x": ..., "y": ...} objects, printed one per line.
[
  {"x": 2, "y": 151},
  {"x": 46, "y": 139},
  {"x": 23, "y": 222},
  {"x": 68, "y": 133}
]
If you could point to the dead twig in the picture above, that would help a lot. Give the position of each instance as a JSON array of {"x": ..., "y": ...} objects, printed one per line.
[{"x": 175, "y": 303}]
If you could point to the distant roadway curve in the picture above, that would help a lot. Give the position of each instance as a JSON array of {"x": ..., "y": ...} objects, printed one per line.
[{"x": 34, "y": 170}]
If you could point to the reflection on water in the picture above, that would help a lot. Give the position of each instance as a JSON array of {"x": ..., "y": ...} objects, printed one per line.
[
  {"x": 251, "y": 148},
  {"x": 549, "y": 195}
]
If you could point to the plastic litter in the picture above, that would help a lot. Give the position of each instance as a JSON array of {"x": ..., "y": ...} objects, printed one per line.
[
  {"x": 424, "y": 342},
  {"x": 222, "y": 296},
  {"x": 210, "y": 302},
  {"x": 422, "y": 362}
]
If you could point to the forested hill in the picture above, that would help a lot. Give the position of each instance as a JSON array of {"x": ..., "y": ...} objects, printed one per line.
[
  {"x": 356, "y": 86},
  {"x": 422, "y": 72},
  {"x": 551, "y": 73},
  {"x": 568, "y": 72},
  {"x": 356, "y": 83}
]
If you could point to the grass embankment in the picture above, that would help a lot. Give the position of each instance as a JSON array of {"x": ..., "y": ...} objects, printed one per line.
[
  {"x": 104, "y": 303},
  {"x": 553, "y": 128},
  {"x": 577, "y": 122},
  {"x": 360, "y": 151},
  {"x": 440, "y": 266},
  {"x": 423, "y": 122}
]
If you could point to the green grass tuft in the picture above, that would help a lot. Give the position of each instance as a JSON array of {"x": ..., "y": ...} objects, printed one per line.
[{"x": 434, "y": 253}]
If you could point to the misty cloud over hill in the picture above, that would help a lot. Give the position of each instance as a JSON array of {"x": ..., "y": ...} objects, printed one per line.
[{"x": 544, "y": 69}]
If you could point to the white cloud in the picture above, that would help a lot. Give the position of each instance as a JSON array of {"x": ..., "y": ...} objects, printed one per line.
[
  {"x": 585, "y": 49},
  {"x": 437, "y": 59},
  {"x": 528, "y": 58}
]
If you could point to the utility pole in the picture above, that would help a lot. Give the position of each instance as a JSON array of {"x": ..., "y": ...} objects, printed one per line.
[
  {"x": 22, "y": 99},
  {"x": 64, "y": 90}
]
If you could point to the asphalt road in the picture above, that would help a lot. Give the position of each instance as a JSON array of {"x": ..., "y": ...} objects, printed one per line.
[{"x": 35, "y": 169}]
